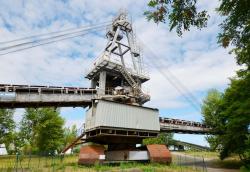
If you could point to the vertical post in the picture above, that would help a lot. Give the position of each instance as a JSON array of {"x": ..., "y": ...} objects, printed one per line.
[
  {"x": 102, "y": 83},
  {"x": 93, "y": 83},
  {"x": 114, "y": 40},
  {"x": 39, "y": 160},
  {"x": 120, "y": 51},
  {"x": 17, "y": 159},
  {"x": 131, "y": 45},
  {"x": 29, "y": 159},
  {"x": 53, "y": 162}
]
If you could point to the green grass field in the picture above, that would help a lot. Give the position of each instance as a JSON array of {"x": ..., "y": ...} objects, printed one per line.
[
  {"x": 232, "y": 162},
  {"x": 69, "y": 163},
  {"x": 205, "y": 154}
]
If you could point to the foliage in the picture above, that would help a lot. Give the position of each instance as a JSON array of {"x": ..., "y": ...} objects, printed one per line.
[
  {"x": 163, "y": 138},
  {"x": 229, "y": 116},
  {"x": 210, "y": 110},
  {"x": 50, "y": 131},
  {"x": 42, "y": 130},
  {"x": 7, "y": 126},
  {"x": 235, "y": 115},
  {"x": 29, "y": 125},
  {"x": 181, "y": 14},
  {"x": 69, "y": 135},
  {"x": 236, "y": 28}
]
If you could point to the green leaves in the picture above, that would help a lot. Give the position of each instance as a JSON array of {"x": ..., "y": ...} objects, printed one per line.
[
  {"x": 7, "y": 124},
  {"x": 236, "y": 29},
  {"x": 181, "y": 14},
  {"x": 42, "y": 129},
  {"x": 70, "y": 134},
  {"x": 163, "y": 138},
  {"x": 229, "y": 115},
  {"x": 152, "y": 3}
]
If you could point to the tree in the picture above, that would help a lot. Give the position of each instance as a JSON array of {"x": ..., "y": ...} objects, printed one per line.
[
  {"x": 163, "y": 138},
  {"x": 211, "y": 110},
  {"x": 229, "y": 115},
  {"x": 29, "y": 126},
  {"x": 70, "y": 135},
  {"x": 235, "y": 115},
  {"x": 211, "y": 114},
  {"x": 7, "y": 125},
  {"x": 182, "y": 14},
  {"x": 42, "y": 130},
  {"x": 50, "y": 131}
]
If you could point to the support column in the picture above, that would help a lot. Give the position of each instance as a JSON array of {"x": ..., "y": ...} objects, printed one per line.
[
  {"x": 102, "y": 83},
  {"x": 93, "y": 83}
]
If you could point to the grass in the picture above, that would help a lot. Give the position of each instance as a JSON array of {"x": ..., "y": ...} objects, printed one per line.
[
  {"x": 69, "y": 163},
  {"x": 147, "y": 167},
  {"x": 205, "y": 154},
  {"x": 232, "y": 162},
  {"x": 228, "y": 163}
]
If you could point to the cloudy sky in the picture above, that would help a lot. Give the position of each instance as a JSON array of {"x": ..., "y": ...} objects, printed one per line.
[{"x": 194, "y": 62}]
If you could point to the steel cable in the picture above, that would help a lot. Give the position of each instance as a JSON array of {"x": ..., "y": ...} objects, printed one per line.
[{"x": 172, "y": 79}]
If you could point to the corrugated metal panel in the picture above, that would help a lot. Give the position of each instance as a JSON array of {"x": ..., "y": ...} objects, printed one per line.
[
  {"x": 89, "y": 119},
  {"x": 111, "y": 114}
]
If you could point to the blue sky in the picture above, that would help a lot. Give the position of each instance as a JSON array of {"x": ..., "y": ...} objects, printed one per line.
[{"x": 195, "y": 58}]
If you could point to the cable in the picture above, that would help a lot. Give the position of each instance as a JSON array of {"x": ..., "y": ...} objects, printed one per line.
[
  {"x": 44, "y": 34},
  {"x": 176, "y": 84},
  {"x": 42, "y": 44},
  {"x": 44, "y": 39}
]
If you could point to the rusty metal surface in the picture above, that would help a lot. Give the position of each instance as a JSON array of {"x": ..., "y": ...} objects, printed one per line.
[
  {"x": 159, "y": 153},
  {"x": 91, "y": 154}
]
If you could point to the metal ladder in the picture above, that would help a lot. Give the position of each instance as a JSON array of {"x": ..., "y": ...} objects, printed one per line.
[
  {"x": 129, "y": 78},
  {"x": 138, "y": 92}
]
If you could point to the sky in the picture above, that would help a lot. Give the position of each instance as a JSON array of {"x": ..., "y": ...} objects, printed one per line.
[{"x": 195, "y": 61}]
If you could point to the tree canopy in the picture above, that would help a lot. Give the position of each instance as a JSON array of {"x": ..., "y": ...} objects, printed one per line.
[
  {"x": 70, "y": 134},
  {"x": 228, "y": 115},
  {"x": 163, "y": 138},
  {"x": 42, "y": 130},
  {"x": 7, "y": 125}
]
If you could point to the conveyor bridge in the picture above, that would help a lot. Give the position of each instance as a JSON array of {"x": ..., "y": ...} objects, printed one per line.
[{"x": 22, "y": 96}]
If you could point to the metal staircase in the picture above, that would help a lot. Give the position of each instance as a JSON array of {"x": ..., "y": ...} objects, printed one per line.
[
  {"x": 128, "y": 78},
  {"x": 137, "y": 90}
]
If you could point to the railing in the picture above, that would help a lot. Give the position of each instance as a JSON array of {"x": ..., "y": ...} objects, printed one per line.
[
  {"x": 197, "y": 163},
  {"x": 104, "y": 57},
  {"x": 182, "y": 126},
  {"x": 6, "y": 88}
]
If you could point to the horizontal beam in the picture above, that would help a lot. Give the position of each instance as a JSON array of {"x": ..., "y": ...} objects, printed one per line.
[
  {"x": 22, "y": 96},
  {"x": 183, "y": 126}
]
